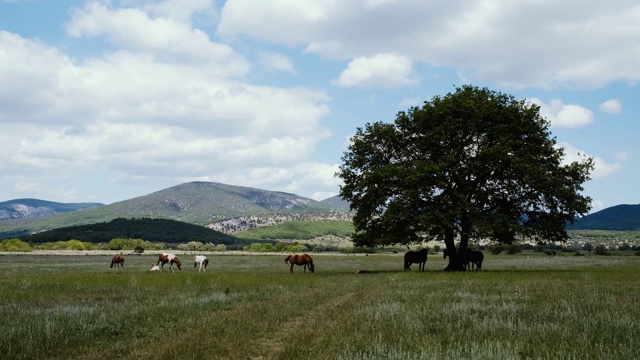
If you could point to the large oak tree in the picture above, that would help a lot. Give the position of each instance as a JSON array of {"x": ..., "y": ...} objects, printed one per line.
[{"x": 474, "y": 164}]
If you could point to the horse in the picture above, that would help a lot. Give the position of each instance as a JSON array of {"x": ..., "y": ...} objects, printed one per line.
[
  {"x": 301, "y": 260},
  {"x": 202, "y": 260},
  {"x": 154, "y": 267},
  {"x": 469, "y": 258},
  {"x": 117, "y": 260},
  {"x": 415, "y": 257},
  {"x": 472, "y": 257},
  {"x": 168, "y": 258}
]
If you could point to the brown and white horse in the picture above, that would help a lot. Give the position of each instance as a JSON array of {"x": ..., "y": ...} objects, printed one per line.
[
  {"x": 117, "y": 260},
  {"x": 168, "y": 258},
  {"x": 202, "y": 260},
  {"x": 301, "y": 260}
]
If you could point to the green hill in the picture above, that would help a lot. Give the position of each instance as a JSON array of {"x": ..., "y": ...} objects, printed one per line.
[
  {"x": 152, "y": 230},
  {"x": 619, "y": 217}
]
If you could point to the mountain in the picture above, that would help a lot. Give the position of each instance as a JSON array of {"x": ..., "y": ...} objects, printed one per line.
[
  {"x": 28, "y": 208},
  {"x": 619, "y": 217},
  {"x": 337, "y": 203},
  {"x": 199, "y": 203}
]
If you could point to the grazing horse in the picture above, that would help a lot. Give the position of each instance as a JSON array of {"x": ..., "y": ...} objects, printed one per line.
[
  {"x": 302, "y": 260},
  {"x": 154, "y": 267},
  {"x": 202, "y": 260},
  {"x": 168, "y": 258},
  {"x": 415, "y": 257},
  {"x": 467, "y": 257},
  {"x": 117, "y": 260}
]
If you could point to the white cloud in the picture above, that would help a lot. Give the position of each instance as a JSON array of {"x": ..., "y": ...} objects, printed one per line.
[
  {"x": 497, "y": 40},
  {"x": 167, "y": 103},
  {"x": 564, "y": 115},
  {"x": 602, "y": 168},
  {"x": 277, "y": 62},
  {"x": 382, "y": 70},
  {"x": 166, "y": 38},
  {"x": 612, "y": 106}
]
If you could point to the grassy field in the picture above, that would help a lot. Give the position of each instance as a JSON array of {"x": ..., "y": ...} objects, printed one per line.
[{"x": 250, "y": 307}]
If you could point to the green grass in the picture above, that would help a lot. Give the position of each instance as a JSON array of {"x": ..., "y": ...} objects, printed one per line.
[{"x": 243, "y": 307}]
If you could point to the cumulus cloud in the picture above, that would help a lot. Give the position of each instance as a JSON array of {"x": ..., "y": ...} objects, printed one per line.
[
  {"x": 602, "y": 168},
  {"x": 382, "y": 70},
  {"x": 612, "y": 106},
  {"x": 564, "y": 115},
  {"x": 495, "y": 40},
  {"x": 166, "y": 103},
  {"x": 276, "y": 62}
]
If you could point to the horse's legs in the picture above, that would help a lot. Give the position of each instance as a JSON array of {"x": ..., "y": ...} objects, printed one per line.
[{"x": 291, "y": 268}]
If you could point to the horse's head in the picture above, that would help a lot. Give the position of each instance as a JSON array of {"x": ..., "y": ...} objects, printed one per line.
[
  {"x": 178, "y": 263},
  {"x": 286, "y": 260},
  {"x": 311, "y": 267}
]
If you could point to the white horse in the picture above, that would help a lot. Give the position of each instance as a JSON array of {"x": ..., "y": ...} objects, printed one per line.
[{"x": 202, "y": 260}]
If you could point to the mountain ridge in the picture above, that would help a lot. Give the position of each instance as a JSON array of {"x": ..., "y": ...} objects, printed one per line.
[
  {"x": 29, "y": 207},
  {"x": 199, "y": 203}
]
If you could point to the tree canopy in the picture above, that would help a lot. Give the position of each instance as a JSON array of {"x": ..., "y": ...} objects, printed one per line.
[{"x": 473, "y": 164}]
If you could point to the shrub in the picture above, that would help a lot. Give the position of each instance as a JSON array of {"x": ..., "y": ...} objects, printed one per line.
[
  {"x": 578, "y": 253},
  {"x": 15, "y": 245},
  {"x": 139, "y": 249},
  {"x": 496, "y": 249},
  {"x": 600, "y": 250},
  {"x": 514, "y": 249},
  {"x": 550, "y": 252}
]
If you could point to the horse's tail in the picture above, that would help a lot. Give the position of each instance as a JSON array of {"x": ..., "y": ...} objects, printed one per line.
[{"x": 311, "y": 266}]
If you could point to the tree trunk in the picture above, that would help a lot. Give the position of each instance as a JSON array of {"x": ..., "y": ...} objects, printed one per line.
[{"x": 455, "y": 260}]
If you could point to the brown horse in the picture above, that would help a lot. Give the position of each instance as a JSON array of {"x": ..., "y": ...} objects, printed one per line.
[
  {"x": 168, "y": 258},
  {"x": 118, "y": 260},
  {"x": 301, "y": 260}
]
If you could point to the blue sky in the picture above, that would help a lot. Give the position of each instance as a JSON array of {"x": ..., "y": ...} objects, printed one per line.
[{"x": 108, "y": 100}]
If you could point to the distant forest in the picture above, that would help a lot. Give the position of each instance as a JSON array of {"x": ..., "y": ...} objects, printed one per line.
[{"x": 152, "y": 230}]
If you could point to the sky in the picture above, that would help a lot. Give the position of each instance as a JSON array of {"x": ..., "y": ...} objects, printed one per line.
[{"x": 104, "y": 101}]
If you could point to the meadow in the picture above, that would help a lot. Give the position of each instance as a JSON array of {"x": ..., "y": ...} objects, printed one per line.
[{"x": 526, "y": 306}]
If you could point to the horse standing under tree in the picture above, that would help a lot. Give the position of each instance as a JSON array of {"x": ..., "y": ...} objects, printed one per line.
[
  {"x": 468, "y": 258},
  {"x": 472, "y": 257},
  {"x": 117, "y": 260},
  {"x": 301, "y": 260},
  {"x": 415, "y": 257},
  {"x": 168, "y": 258}
]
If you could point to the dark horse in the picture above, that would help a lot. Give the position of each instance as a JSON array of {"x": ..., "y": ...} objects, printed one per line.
[
  {"x": 415, "y": 257},
  {"x": 118, "y": 260},
  {"x": 302, "y": 260},
  {"x": 472, "y": 257},
  {"x": 469, "y": 258}
]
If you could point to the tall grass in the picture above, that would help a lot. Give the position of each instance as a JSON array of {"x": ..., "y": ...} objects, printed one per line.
[{"x": 76, "y": 307}]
